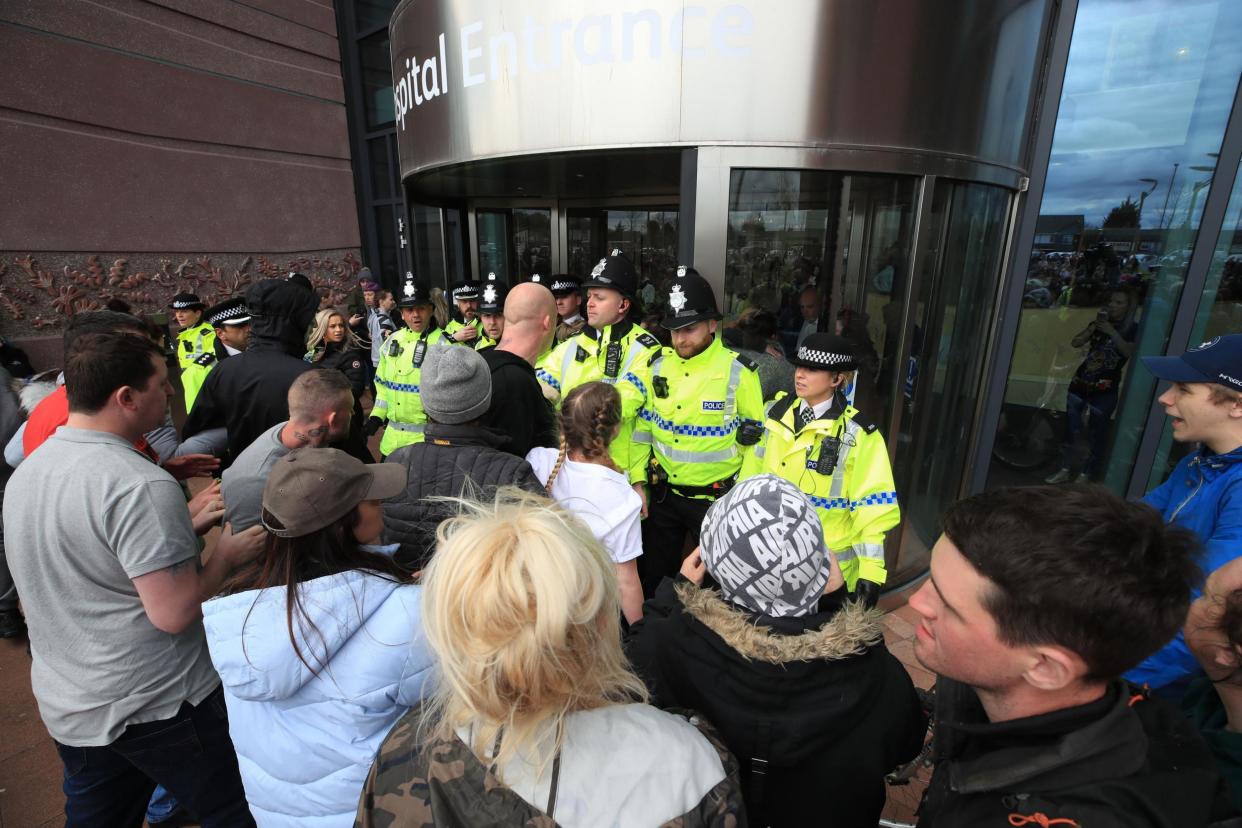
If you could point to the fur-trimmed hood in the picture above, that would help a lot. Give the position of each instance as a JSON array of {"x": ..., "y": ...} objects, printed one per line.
[{"x": 848, "y": 632}]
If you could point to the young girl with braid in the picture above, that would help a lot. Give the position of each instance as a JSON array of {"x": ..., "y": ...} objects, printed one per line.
[{"x": 582, "y": 477}]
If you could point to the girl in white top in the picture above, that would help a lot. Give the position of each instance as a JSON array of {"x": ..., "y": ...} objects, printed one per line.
[{"x": 582, "y": 477}]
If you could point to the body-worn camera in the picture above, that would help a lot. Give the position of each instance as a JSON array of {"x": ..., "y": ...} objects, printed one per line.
[{"x": 659, "y": 386}]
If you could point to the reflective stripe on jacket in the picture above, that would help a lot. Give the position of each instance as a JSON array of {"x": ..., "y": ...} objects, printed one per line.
[
  {"x": 397, "y": 393},
  {"x": 583, "y": 358},
  {"x": 856, "y": 501},
  {"x": 692, "y": 429}
]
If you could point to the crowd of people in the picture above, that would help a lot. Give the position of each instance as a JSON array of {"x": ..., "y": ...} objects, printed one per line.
[{"x": 600, "y": 575}]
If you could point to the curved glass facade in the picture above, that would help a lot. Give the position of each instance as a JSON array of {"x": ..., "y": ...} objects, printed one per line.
[{"x": 1149, "y": 88}]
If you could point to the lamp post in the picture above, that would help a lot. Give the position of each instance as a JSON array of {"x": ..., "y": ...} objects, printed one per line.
[{"x": 1138, "y": 224}]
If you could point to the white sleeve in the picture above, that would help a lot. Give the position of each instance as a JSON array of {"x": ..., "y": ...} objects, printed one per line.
[
  {"x": 624, "y": 540},
  {"x": 14, "y": 453}
]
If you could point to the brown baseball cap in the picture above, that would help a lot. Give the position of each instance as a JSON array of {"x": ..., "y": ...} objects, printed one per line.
[{"x": 311, "y": 488}]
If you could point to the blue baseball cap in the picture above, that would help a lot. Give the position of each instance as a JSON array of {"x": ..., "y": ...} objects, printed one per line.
[{"x": 1218, "y": 360}]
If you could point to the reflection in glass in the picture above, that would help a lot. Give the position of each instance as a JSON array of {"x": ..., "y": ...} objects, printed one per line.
[
  {"x": 386, "y": 229},
  {"x": 368, "y": 14},
  {"x": 532, "y": 241},
  {"x": 381, "y": 167},
  {"x": 455, "y": 257},
  {"x": 1148, "y": 90},
  {"x": 493, "y": 242},
  {"x": 376, "y": 79},
  {"x": 940, "y": 382},
  {"x": 1220, "y": 313},
  {"x": 801, "y": 243},
  {"x": 425, "y": 238},
  {"x": 647, "y": 235}
]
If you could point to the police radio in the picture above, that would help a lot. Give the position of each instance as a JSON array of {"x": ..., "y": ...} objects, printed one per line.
[
  {"x": 420, "y": 351},
  {"x": 826, "y": 462},
  {"x": 612, "y": 363}
]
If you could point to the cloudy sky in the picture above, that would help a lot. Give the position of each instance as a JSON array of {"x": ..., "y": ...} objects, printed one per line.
[{"x": 1150, "y": 83}]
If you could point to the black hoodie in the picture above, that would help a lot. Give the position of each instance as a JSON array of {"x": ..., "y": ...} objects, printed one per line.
[
  {"x": 818, "y": 697},
  {"x": 248, "y": 394},
  {"x": 1125, "y": 759}
]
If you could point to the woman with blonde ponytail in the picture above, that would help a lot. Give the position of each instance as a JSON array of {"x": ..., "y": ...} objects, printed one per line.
[
  {"x": 582, "y": 477},
  {"x": 536, "y": 717}
]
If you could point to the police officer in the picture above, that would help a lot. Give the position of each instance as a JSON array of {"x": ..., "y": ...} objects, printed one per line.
[
  {"x": 568, "y": 292},
  {"x": 195, "y": 339},
  {"x": 397, "y": 393},
  {"x": 491, "y": 313},
  {"x": 468, "y": 328},
  {"x": 230, "y": 324},
  {"x": 608, "y": 347},
  {"x": 834, "y": 453},
  {"x": 702, "y": 410}
]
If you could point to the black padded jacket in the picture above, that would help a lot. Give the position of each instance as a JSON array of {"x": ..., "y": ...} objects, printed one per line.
[{"x": 452, "y": 461}]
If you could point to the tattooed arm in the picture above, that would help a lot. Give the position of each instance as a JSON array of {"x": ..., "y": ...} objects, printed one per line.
[{"x": 172, "y": 597}]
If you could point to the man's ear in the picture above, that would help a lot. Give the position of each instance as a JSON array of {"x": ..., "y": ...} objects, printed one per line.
[
  {"x": 1053, "y": 668},
  {"x": 124, "y": 397},
  {"x": 1235, "y": 409}
]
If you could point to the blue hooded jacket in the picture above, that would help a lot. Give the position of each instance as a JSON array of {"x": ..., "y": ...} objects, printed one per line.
[
  {"x": 305, "y": 739},
  {"x": 1204, "y": 495}
]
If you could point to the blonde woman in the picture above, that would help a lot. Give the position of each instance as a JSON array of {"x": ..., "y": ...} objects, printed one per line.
[
  {"x": 333, "y": 345},
  {"x": 536, "y": 717}
]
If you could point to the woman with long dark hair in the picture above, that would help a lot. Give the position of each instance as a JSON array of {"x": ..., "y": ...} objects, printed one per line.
[{"x": 318, "y": 641}]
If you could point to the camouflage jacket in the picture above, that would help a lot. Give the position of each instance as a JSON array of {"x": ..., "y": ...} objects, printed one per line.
[{"x": 442, "y": 783}]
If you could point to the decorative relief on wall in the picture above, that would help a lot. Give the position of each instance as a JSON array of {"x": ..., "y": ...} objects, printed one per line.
[{"x": 38, "y": 294}]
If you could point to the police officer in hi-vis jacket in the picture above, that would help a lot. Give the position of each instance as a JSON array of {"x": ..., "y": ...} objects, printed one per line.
[{"x": 836, "y": 455}]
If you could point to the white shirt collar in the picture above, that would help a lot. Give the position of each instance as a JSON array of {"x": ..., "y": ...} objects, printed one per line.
[
  {"x": 818, "y": 409},
  {"x": 230, "y": 350},
  {"x": 569, "y": 320}
]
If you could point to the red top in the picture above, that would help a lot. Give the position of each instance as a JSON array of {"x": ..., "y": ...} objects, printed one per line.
[{"x": 52, "y": 413}]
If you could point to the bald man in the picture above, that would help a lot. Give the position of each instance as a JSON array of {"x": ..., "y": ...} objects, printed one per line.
[{"x": 519, "y": 408}]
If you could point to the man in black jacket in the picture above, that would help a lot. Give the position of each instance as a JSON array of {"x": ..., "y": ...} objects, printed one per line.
[
  {"x": 518, "y": 407},
  {"x": 248, "y": 393},
  {"x": 459, "y": 457},
  {"x": 1038, "y": 600},
  {"x": 793, "y": 673}
]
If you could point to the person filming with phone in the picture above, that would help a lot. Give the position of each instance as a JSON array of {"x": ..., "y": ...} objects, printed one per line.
[{"x": 1109, "y": 340}]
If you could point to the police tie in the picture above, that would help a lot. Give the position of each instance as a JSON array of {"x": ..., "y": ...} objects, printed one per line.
[{"x": 806, "y": 415}]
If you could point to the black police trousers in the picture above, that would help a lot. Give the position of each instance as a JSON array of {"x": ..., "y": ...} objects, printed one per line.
[{"x": 671, "y": 520}]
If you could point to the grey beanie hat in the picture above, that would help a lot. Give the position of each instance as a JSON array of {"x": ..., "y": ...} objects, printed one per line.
[
  {"x": 764, "y": 544},
  {"x": 456, "y": 384}
]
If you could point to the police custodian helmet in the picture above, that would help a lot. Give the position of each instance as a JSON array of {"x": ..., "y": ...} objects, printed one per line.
[
  {"x": 493, "y": 295},
  {"x": 690, "y": 299},
  {"x": 615, "y": 272},
  {"x": 413, "y": 293}
]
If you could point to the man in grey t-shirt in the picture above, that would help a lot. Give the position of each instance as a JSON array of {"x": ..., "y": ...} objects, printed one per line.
[
  {"x": 103, "y": 551},
  {"x": 321, "y": 403}
]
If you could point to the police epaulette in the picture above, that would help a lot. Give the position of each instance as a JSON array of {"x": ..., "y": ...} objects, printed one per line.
[
  {"x": 204, "y": 359},
  {"x": 746, "y": 361},
  {"x": 648, "y": 341},
  {"x": 864, "y": 422}
]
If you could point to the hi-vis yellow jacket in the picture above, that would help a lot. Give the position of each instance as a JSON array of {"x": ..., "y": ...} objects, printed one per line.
[
  {"x": 398, "y": 396},
  {"x": 692, "y": 411},
  {"x": 607, "y": 356},
  {"x": 196, "y": 354},
  {"x": 856, "y": 499}
]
